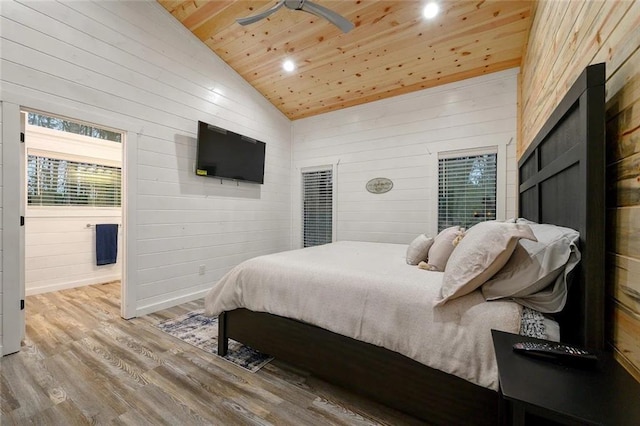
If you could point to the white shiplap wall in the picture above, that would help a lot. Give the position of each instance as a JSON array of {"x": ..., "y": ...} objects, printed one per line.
[
  {"x": 131, "y": 66},
  {"x": 400, "y": 139},
  {"x": 60, "y": 250}
]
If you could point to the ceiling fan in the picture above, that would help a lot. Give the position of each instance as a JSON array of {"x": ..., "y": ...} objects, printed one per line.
[{"x": 305, "y": 6}]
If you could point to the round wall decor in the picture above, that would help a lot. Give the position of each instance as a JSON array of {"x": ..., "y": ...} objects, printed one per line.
[{"x": 379, "y": 185}]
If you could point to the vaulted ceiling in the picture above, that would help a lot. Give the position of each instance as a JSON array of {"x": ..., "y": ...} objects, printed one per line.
[{"x": 392, "y": 50}]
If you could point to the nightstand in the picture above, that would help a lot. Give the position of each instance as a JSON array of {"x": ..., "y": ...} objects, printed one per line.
[{"x": 543, "y": 392}]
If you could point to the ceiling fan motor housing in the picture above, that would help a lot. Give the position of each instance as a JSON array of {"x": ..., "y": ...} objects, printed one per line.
[{"x": 294, "y": 4}]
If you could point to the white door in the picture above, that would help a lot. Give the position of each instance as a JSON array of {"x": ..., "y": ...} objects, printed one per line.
[{"x": 13, "y": 174}]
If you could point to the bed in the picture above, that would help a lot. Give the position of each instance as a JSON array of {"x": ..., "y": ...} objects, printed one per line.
[{"x": 561, "y": 182}]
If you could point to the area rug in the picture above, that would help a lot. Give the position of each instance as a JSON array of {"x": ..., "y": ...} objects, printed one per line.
[{"x": 201, "y": 331}]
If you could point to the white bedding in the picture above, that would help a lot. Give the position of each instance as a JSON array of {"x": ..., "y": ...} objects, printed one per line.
[{"x": 367, "y": 291}]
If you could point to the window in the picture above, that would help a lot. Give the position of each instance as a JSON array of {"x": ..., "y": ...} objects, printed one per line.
[
  {"x": 317, "y": 207},
  {"x": 64, "y": 125},
  {"x": 466, "y": 190},
  {"x": 54, "y": 182}
]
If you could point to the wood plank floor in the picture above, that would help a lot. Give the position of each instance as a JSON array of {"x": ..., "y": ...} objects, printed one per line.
[{"x": 81, "y": 363}]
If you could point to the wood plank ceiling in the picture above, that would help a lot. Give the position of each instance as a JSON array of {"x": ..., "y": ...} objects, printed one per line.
[{"x": 392, "y": 50}]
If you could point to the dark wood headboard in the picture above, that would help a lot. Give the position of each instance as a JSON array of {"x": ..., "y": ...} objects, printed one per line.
[{"x": 562, "y": 182}]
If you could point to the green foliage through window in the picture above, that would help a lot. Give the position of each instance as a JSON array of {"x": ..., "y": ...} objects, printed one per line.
[
  {"x": 466, "y": 190},
  {"x": 54, "y": 182}
]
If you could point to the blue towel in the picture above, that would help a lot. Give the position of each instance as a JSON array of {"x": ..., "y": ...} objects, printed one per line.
[{"x": 106, "y": 243}]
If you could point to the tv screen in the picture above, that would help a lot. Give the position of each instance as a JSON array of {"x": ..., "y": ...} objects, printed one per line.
[{"x": 225, "y": 154}]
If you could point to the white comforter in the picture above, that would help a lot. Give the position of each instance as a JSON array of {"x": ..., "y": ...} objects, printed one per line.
[{"x": 367, "y": 291}]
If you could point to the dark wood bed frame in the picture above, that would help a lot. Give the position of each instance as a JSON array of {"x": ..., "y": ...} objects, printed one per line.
[{"x": 561, "y": 182}]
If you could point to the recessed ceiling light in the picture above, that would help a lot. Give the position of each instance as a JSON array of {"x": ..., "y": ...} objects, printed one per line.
[
  {"x": 430, "y": 10},
  {"x": 288, "y": 65}
]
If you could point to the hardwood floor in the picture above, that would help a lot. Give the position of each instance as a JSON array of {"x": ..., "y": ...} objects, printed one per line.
[{"x": 82, "y": 364}]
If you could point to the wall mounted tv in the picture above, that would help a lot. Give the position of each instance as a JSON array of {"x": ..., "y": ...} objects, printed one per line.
[{"x": 228, "y": 155}]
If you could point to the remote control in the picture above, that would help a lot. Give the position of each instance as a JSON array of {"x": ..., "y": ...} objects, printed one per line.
[{"x": 568, "y": 355}]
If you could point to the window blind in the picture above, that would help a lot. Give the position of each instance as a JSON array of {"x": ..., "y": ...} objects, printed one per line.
[
  {"x": 55, "y": 182},
  {"x": 317, "y": 208},
  {"x": 466, "y": 190}
]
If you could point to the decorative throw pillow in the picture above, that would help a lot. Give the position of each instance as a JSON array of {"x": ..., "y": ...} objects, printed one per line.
[
  {"x": 442, "y": 247},
  {"x": 418, "y": 250},
  {"x": 484, "y": 250}
]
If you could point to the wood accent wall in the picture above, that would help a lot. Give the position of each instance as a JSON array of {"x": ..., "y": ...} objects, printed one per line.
[{"x": 564, "y": 38}]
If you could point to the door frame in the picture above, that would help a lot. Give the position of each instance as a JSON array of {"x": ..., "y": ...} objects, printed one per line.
[
  {"x": 13, "y": 286},
  {"x": 13, "y": 325}
]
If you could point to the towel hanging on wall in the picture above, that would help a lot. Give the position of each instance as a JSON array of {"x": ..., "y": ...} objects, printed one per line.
[{"x": 106, "y": 243}]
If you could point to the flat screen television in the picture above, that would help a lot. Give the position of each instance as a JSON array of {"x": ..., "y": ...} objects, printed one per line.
[{"x": 228, "y": 155}]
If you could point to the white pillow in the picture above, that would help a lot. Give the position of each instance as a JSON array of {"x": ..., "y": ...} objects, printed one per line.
[
  {"x": 418, "y": 250},
  {"x": 484, "y": 250},
  {"x": 529, "y": 270},
  {"x": 536, "y": 275},
  {"x": 533, "y": 265},
  {"x": 442, "y": 248}
]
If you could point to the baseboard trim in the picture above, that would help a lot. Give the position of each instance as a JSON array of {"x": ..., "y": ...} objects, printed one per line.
[
  {"x": 72, "y": 284},
  {"x": 158, "y": 306}
]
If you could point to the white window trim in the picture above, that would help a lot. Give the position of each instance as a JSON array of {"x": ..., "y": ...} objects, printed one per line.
[
  {"x": 73, "y": 211},
  {"x": 296, "y": 232},
  {"x": 56, "y": 155},
  {"x": 51, "y": 143}
]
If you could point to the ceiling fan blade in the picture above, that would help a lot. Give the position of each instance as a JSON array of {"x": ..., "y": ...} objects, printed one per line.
[
  {"x": 255, "y": 18},
  {"x": 336, "y": 19}
]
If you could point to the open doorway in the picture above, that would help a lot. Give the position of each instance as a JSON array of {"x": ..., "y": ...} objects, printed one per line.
[
  {"x": 14, "y": 189},
  {"x": 73, "y": 203}
]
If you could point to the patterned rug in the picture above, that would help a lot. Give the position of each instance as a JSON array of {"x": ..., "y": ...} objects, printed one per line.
[{"x": 202, "y": 332}]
